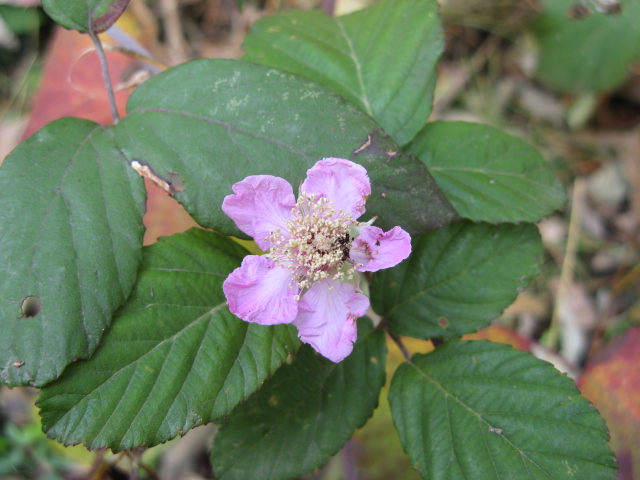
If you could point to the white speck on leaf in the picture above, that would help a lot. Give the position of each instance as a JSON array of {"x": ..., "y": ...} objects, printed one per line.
[
  {"x": 276, "y": 72},
  {"x": 310, "y": 94},
  {"x": 571, "y": 469},
  {"x": 234, "y": 79},
  {"x": 235, "y": 102}
]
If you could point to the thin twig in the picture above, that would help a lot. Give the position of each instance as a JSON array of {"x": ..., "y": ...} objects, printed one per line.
[
  {"x": 153, "y": 475},
  {"x": 349, "y": 461},
  {"x": 135, "y": 464},
  {"x": 569, "y": 261},
  {"x": 173, "y": 30},
  {"x": 136, "y": 461},
  {"x": 105, "y": 75},
  {"x": 157, "y": 65},
  {"x": 398, "y": 342},
  {"x": 98, "y": 467},
  {"x": 21, "y": 73}
]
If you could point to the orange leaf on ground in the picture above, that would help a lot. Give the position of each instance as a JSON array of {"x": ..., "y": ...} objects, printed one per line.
[
  {"x": 500, "y": 334},
  {"x": 72, "y": 85},
  {"x": 164, "y": 216},
  {"x": 612, "y": 383}
]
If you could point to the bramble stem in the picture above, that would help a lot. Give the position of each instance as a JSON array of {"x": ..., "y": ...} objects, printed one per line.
[
  {"x": 105, "y": 75},
  {"x": 398, "y": 342}
]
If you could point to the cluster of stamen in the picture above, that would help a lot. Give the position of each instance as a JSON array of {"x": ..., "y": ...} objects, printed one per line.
[{"x": 318, "y": 244}]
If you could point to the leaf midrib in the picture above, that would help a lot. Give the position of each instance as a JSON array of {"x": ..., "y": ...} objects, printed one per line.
[
  {"x": 115, "y": 373},
  {"x": 447, "y": 394}
]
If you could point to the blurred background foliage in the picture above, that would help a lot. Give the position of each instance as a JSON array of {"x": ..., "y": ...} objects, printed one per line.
[{"x": 562, "y": 74}]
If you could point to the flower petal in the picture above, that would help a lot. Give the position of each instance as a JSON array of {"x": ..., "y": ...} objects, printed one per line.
[
  {"x": 327, "y": 318},
  {"x": 343, "y": 182},
  {"x": 259, "y": 291},
  {"x": 375, "y": 249},
  {"x": 260, "y": 204}
]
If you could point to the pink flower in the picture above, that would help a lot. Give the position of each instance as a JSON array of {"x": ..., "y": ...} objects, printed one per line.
[{"x": 316, "y": 248}]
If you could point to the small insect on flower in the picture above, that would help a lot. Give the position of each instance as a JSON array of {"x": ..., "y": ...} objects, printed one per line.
[
  {"x": 310, "y": 277},
  {"x": 345, "y": 245}
]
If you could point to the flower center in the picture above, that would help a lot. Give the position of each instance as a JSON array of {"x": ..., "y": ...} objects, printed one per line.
[{"x": 318, "y": 244}]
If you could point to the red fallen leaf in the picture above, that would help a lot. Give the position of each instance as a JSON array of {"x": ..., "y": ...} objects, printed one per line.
[
  {"x": 612, "y": 383},
  {"x": 72, "y": 85}
]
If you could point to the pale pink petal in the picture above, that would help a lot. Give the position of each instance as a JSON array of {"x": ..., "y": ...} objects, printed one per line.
[
  {"x": 375, "y": 249},
  {"x": 260, "y": 204},
  {"x": 343, "y": 182},
  {"x": 327, "y": 318},
  {"x": 259, "y": 291}
]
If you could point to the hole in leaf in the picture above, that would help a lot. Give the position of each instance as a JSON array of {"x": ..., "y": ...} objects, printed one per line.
[{"x": 31, "y": 306}]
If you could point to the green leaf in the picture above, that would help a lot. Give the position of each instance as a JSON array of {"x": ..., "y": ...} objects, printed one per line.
[
  {"x": 457, "y": 279},
  {"x": 579, "y": 55},
  {"x": 85, "y": 15},
  {"x": 303, "y": 414},
  {"x": 485, "y": 410},
  {"x": 70, "y": 245},
  {"x": 488, "y": 175},
  {"x": 211, "y": 123},
  {"x": 382, "y": 58},
  {"x": 175, "y": 357}
]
